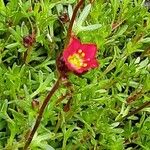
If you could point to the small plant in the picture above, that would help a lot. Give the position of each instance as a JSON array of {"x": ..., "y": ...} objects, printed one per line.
[{"x": 74, "y": 75}]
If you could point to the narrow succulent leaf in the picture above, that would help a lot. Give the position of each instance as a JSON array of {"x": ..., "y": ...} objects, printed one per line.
[
  {"x": 90, "y": 27},
  {"x": 84, "y": 15}
]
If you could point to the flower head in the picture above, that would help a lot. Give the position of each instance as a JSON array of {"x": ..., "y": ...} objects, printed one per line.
[
  {"x": 29, "y": 40},
  {"x": 79, "y": 57}
]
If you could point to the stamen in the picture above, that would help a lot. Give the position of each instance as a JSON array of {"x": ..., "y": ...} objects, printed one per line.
[
  {"x": 84, "y": 65},
  {"x": 79, "y": 51},
  {"x": 82, "y": 54},
  {"x": 75, "y": 60}
]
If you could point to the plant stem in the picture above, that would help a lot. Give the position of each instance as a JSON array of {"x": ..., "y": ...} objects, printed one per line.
[
  {"x": 72, "y": 21},
  {"x": 138, "y": 109},
  {"x": 39, "y": 117},
  {"x": 135, "y": 111}
]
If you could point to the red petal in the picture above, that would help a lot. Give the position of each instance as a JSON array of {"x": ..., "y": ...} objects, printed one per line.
[
  {"x": 93, "y": 63},
  {"x": 72, "y": 48},
  {"x": 89, "y": 50},
  {"x": 80, "y": 71}
]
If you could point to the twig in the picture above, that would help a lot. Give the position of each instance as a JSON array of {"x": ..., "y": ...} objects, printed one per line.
[
  {"x": 61, "y": 98},
  {"x": 135, "y": 111},
  {"x": 39, "y": 117},
  {"x": 116, "y": 25},
  {"x": 134, "y": 96},
  {"x": 138, "y": 109}
]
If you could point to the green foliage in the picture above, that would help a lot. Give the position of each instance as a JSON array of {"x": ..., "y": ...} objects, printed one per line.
[{"x": 99, "y": 105}]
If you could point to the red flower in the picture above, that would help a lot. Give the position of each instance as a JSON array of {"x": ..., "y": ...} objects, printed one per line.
[{"x": 79, "y": 57}]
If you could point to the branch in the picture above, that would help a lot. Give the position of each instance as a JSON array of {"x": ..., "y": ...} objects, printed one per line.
[
  {"x": 138, "y": 109},
  {"x": 72, "y": 21},
  {"x": 39, "y": 117}
]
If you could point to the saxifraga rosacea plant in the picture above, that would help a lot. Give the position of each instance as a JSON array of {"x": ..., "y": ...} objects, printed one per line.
[{"x": 77, "y": 58}]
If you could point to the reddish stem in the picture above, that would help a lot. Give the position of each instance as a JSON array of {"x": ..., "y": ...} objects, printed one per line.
[
  {"x": 138, "y": 109},
  {"x": 72, "y": 21},
  {"x": 135, "y": 111},
  {"x": 41, "y": 111}
]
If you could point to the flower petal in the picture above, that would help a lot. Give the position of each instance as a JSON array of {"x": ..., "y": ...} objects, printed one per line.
[
  {"x": 90, "y": 64},
  {"x": 89, "y": 50},
  {"x": 93, "y": 63},
  {"x": 72, "y": 48}
]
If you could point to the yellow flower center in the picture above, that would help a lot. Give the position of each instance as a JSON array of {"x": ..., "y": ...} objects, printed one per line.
[{"x": 77, "y": 59}]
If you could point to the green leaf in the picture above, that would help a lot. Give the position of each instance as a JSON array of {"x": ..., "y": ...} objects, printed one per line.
[
  {"x": 13, "y": 45},
  {"x": 2, "y": 6},
  {"x": 90, "y": 27},
  {"x": 83, "y": 15},
  {"x": 121, "y": 31},
  {"x": 145, "y": 40},
  {"x": 144, "y": 63}
]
